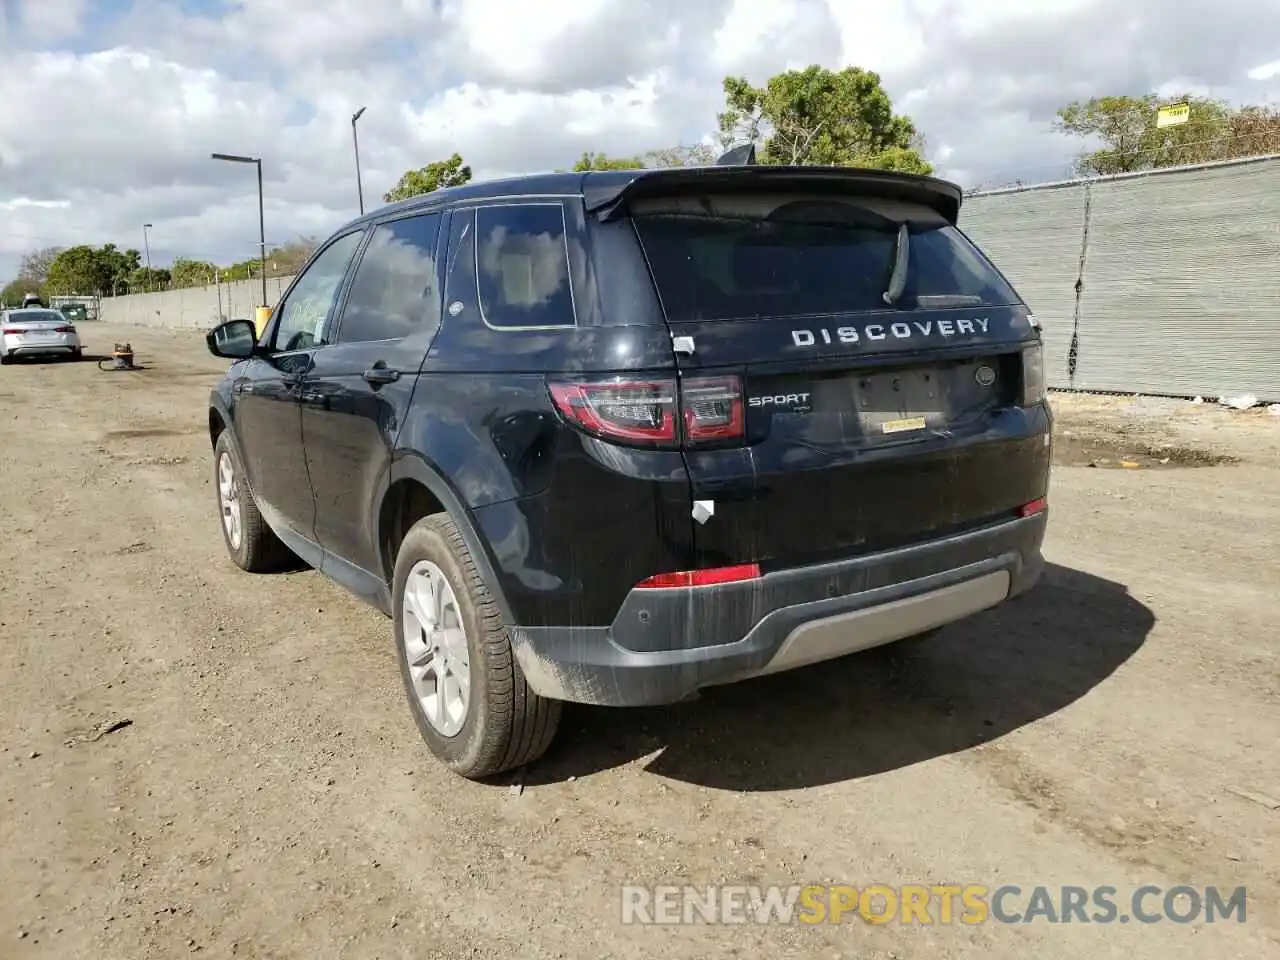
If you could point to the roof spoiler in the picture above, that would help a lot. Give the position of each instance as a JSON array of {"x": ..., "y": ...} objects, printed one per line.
[
  {"x": 607, "y": 199},
  {"x": 744, "y": 156}
]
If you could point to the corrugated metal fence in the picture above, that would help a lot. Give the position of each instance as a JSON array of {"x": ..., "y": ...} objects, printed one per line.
[{"x": 1163, "y": 283}]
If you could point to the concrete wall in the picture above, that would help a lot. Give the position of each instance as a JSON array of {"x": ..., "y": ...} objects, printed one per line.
[{"x": 192, "y": 307}]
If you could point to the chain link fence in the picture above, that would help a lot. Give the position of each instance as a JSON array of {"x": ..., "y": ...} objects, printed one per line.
[{"x": 1164, "y": 283}]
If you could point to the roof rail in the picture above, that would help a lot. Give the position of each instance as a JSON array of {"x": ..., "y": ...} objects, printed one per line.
[{"x": 743, "y": 156}]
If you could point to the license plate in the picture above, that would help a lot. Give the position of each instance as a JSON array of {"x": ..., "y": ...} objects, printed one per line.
[
  {"x": 901, "y": 426},
  {"x": 898, "y": 402}
]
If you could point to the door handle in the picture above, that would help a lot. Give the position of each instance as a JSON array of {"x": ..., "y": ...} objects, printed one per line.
[{"x": 380, "y": 373}]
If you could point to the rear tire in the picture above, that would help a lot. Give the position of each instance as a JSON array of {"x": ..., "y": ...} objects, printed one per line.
[
  {"x": 501, "y": 724},
  {"x": 76, "y": 354},
  {"x": 251, "y": 543}
]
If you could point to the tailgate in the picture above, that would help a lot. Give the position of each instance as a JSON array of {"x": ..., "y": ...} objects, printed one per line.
[{"x": 868, "y": 424}]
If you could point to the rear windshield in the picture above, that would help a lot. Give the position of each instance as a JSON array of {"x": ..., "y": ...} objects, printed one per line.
[
  {"x": 780, "y": 256},
  {"x": 36, "y": 316}
]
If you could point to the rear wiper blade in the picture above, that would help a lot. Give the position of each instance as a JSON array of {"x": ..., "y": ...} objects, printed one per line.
[{"x": 898, "y": 278}]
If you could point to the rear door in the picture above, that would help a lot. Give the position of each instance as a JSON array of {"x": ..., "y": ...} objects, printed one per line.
[
  {"x": 356, "y": 393},
  {"x": 865, "y": 424}
]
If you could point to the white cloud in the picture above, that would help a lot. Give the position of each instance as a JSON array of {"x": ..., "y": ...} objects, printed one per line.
[
  {"x": 52, "y": 19},
  {"x": 109, "y": 123},
  {"x": 1266, "y": 71}
]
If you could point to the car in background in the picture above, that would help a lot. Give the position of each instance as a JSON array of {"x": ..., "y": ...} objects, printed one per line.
[
  {"x": 74, "y": 312},
  {"x": 37, "y": 331}
]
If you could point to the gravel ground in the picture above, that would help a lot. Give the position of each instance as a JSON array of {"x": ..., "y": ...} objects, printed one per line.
[{"x": 196, "y": 760}]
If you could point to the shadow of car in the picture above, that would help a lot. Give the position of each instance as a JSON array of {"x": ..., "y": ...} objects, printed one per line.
[{"x": 880, "y": 710}]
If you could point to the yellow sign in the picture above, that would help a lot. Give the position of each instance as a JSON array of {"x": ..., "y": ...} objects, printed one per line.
[
  {"x": 898, "y": 426},
  {"x": 1173, "y": 114},
  {"x": 262, "y": 315}
]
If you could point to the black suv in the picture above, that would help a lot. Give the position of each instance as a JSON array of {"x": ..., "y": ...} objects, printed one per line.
[{"x": 612, "y": 437}]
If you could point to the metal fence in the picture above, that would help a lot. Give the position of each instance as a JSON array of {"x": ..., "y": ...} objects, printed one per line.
[{"x": 1166, "y": 282}]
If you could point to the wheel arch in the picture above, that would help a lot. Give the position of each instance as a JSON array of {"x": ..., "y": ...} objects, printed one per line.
[{"x": 416, "y": 489}]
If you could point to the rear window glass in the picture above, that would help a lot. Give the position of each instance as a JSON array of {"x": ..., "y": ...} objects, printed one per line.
[
  {"x": 522, "y": 264},
  {"x": 758, "y": 256}
]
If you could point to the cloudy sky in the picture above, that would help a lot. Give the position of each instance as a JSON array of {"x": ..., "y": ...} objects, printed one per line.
[{"x": 112, "y": 107}]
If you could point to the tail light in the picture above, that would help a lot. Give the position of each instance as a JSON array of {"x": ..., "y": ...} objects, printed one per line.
[
  {"x": 644, "y": 411},
  {"x": 635, "y": 411},
  {"x": 67, "y": 329},
  {"x": 10, "y": 332},
  {"x": 1033, "y": 383},
  {"x": 712, "y": 409},
  {"x": 1035, "y": 506},
  {"x": 701, "y": 578}
]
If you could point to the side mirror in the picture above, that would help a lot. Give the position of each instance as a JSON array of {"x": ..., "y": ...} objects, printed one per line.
[{"x": 234, "y": 340}]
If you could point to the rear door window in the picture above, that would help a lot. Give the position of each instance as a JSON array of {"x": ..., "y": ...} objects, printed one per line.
[
  {"x": 743, "y": 257},
  {"x": 522, "y": 266}
]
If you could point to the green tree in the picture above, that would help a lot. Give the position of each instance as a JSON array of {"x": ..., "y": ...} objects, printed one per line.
[
  {"x": 84, "y": 269},
  {"x": 820, "y": 116},
  {"x": 148, "y": 279},
  {"x": 15, "y": 290},
  {"x": 1128, "y": 138},
  {"x": 434, "y": 176},
  {"x": 192, "y": 273},
  {"x": 698, "y": 155},
  {"x": 288, "y": 258},
  {"x": 599, "y": 161}
]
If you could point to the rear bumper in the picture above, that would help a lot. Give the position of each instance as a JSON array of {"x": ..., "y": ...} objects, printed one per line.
[
  {"x": 666, "y": 644},
  {"x": 22, "y": 346}
]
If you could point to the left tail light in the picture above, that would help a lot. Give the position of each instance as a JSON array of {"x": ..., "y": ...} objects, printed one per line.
[
  {"x": 631, "y": 411},
  {"x": 1033, "y": 382},
  {"x": 656, "y": 412}
]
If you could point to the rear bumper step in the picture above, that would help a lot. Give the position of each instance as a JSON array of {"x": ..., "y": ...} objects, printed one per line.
[{"x": 666, "y": 644}]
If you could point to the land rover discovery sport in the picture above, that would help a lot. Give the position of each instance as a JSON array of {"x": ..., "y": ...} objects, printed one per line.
[{"x": 613, "y": 437}]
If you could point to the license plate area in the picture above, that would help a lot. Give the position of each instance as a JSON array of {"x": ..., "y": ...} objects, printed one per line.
[
  {"x": 896, "y": 402},
  {"x": 887, "y": 405}
]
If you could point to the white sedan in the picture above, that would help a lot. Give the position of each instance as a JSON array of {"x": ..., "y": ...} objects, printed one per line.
[{"x": 35, "y": 331}]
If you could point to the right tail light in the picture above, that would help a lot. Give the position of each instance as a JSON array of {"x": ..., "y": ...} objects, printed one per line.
[
  {"x": 659, "y": 412},
  {"x": 1033, "y": 383}
]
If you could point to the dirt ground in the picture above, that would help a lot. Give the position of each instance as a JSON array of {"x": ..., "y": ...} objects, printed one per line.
[{"x": 196, "y": 760}]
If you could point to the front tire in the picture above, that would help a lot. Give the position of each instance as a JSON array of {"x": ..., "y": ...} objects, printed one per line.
[
  {"x": 250, "y": 542},
  {"x": 467, "y": 693}
]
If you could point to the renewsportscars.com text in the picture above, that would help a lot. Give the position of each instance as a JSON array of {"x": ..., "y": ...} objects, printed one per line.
[{"x": 969, "y": 904}]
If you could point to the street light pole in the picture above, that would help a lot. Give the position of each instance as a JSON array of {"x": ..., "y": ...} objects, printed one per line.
[
  {"x": 262, "y": 236},
  {"x": 146, "y": 245},
  {"x": 262, "y": 229},
  {"x": 355, "y": 140}
]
